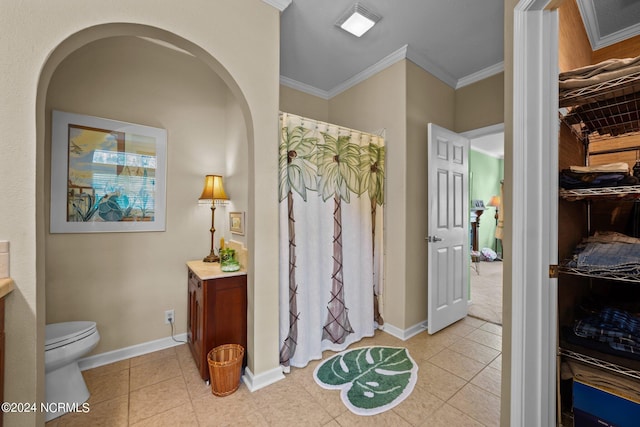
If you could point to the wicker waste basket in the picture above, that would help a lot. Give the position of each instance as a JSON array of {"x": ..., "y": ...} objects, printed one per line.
[{"x": 225, "y": 368}]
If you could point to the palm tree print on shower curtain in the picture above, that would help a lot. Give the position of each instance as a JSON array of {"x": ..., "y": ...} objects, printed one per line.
[
  {"x": 338, "y": 167},
  {"x": 372, "y": 181},
  {"x": 297, "y": 172}
]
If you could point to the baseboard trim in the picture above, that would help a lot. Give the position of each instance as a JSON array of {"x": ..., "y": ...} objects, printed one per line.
[
  {"x": 128, "y": 352},
  {"x": 256, "y": 382},
  {"x": 404, "y": 334}
]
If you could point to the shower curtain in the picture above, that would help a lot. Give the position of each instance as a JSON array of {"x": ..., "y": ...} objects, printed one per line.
[{"x": 331, "y": 192}]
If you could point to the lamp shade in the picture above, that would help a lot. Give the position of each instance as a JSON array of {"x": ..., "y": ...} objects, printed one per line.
[
  {"x": 494, "y": 202},
  {"x": 213, "y": 189}
]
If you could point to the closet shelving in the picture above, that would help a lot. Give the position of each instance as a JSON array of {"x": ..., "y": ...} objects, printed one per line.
[{"x": 601, "y": 112}]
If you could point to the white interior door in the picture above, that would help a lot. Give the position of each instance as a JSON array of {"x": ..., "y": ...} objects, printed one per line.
[{"x": 448, "y": 239}]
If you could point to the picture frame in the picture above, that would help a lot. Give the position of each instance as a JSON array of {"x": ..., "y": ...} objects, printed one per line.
[
  {"x": 236, "y": 222},
  {"x": 106, "y": 175}
]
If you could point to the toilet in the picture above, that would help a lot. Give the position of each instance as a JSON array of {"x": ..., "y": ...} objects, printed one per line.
[{"x": 65, "y": 344}]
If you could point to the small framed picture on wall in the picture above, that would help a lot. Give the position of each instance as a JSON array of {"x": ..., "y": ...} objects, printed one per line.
[{"x": 236, "y": 222}]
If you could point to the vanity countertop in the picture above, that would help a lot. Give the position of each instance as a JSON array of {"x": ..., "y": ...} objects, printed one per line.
[
  {"x": 211, "y": 270},
  {"x": 6, "y": 286}
]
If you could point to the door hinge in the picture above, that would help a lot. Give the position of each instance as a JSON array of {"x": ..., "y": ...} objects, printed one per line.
[{"x": 554, "y": 270}]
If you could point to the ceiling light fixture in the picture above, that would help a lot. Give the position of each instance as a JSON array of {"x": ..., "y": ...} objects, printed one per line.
[{"x": 357, "y": 20}]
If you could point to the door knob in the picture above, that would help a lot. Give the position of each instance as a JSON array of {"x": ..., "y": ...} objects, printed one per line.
[{"x": 434, "y": 239}]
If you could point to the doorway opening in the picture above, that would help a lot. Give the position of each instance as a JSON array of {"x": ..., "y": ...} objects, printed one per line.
[{"x": 486, "y": 164}]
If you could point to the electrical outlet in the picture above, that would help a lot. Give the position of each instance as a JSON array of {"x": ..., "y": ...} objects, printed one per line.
[{"x": 169, "y": 316}]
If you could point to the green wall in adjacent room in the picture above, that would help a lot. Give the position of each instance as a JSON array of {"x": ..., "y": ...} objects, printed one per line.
[{"x": 486, "y": 173}]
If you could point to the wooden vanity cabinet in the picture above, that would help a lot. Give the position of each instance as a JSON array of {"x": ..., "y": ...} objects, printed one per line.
[{"x": 217, "y": 311}]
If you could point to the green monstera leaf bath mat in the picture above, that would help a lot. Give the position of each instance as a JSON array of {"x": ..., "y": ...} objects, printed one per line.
[{"x": 372, "y": 379}]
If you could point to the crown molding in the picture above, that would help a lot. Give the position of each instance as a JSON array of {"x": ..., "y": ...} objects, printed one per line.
[
  {"x": 590, "y": 20},
  {"x": 405, "y": 52},
  {"x": 303, "y": 87},
  {"x": 281, "y": 5},
  {"x": 617, "y": 37},
  {"x": 432, "y": 68},
  {"x": 363, "y": 75},
  {"x": 480, "y": 75}
]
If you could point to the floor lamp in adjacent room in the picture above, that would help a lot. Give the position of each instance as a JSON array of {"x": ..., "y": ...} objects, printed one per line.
[{"x": 495, "y": 203}]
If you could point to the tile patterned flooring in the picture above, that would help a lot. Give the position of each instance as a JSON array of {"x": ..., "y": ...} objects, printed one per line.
[{"x": 458, "y": 385}]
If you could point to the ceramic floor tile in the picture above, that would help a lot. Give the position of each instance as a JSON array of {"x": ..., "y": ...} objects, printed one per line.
[
  {"x": 106, "y": 369},
  {"x": 108, "y": 386},
  {"x": 238, "y": 408},
  {"x": 419, "y": 402},
  {"x": 329, "y": 399},
  {"x": 181, "y": 416},
  {"x": 474, "y": 350},
  {"x": 383, "y": 338},
  {"x": 164, "y": 388},
  {"x": 154, "y": 371},
  {"x": 112, "y": 412},
  {"x": 461, "y": 328},
  {"x": 441, "y": 338},
  {"x": 448, "y": 416},
  {"x": 457, "y": 364},
  {"x": 488, "y": 379},
  {"x": 184, "y": 354},
  {"x": 492, "y": 327},
  {"x": 473, "y": 321},
  {"x": 157, "y": 398},
  {"x": 285, "y": 401},
  {"x": 388, "y": 418},
  {"x": 160, "y": 354},
  {"x": 478, "y": 404},
  {"x": 439, "y": 382},
  {"x": 196, "y": 386},
  {"x": 497, "y": 363},
  {"x": 486, "y": 338},
  {"x": 421, "y": 347}
]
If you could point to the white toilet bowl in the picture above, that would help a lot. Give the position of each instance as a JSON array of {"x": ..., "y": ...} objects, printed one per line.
[{"x": 65, "y": 343}]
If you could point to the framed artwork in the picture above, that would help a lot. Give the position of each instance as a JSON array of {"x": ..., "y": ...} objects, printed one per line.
[
  {"x": 236, "y": 222},
  {"x": 106, "y": 176}
]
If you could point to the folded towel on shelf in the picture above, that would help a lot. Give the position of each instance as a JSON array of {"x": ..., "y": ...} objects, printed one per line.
[
  {"x": 572, "y": 180},
  {"x": 598, "y": 73},
  {"x": 611, "y": 237},
  {"x": 619, "y": 328},
  {"x": 620, "y": 167},
  {"x": 618, "y": 384},
  {"x": 615, "y": 257}
]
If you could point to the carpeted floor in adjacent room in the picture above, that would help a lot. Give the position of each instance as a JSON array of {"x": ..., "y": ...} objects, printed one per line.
[{"x": 486, "y": 291}]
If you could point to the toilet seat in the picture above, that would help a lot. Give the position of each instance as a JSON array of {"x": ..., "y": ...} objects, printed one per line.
[{"x": 61, "y": 334}]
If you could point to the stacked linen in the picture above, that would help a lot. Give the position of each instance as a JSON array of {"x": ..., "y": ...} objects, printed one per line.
[
  {"x": 608, "y": 252},
  {"x": 603, "y": 379},
  {"x": 609, "y": 175},
  {"x": 618, "y": 328}
]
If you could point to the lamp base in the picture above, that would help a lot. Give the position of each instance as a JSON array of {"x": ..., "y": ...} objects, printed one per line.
[{"x": 211, "y": 258}]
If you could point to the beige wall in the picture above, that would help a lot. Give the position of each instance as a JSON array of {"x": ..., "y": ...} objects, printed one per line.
[
  {"x": 429, "y": 100},
  {"x": 230, "y": 38},
  {"x": 480, "y": 104},
  {"x": 380, "y": 103},
  {"x": 574, "y": 48},
  {"x": 305, "y": 105},
  {"x": 125, "y": 281}
]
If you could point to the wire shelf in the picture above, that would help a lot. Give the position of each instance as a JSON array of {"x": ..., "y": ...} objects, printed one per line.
[
  {"x": 599, "y": 274},
  {"x": 599, "y": 92},
  {"x": 627, "y": 192},
  {"x": 602, "y": 364}
]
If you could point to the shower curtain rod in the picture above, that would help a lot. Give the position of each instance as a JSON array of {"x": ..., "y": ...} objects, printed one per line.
[{"x": 380, "y": 133}]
